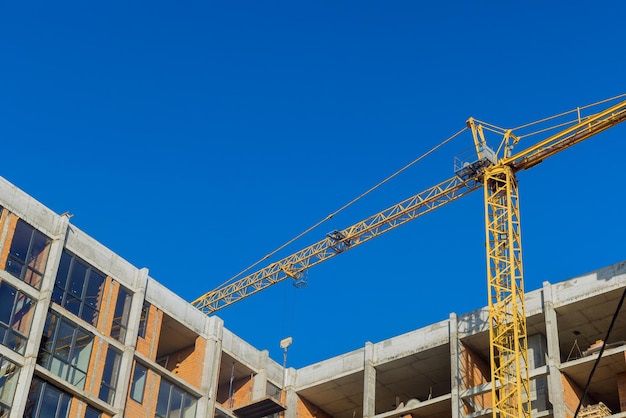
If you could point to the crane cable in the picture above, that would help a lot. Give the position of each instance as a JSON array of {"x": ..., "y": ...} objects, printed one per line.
[
  {"x": 327, "y": 218},
  {"x": 595, "y": 365},
  {"x": 487, "y": 125}
]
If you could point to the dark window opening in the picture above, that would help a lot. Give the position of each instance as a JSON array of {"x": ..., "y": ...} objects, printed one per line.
[
  {"x": 120, "y": 317},
  {"x": 143, "y": 320},
  {"x": 92, "y": 413}
]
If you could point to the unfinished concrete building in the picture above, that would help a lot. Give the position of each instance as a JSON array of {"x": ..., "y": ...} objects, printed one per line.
[{"x": 85, "y": 334}]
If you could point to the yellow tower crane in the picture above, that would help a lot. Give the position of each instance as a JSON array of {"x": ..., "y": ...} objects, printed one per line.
[{"x": 495, "y": 170}]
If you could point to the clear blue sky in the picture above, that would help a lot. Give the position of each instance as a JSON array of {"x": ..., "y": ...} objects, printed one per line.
[{"x": 193, "y": 138}]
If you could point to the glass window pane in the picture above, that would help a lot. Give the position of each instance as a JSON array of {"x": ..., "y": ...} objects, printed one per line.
[
  {"x": 14, "y": 267},
  {"x": 24, "y": 309},
  {"x": 120, "y": 317},
  {"x": 79, "y": 288},
  {"x": 32, "y": 278},
  {"x": 139, "y": 383},
  {"x": 93, "y": 293},
  {"x": 82, "y": 351},
  {"x": 9, "y": 373},
  {"x": 38, "y": 251},
  {"x": 15, "y": 341},
  {"x": 77, "y": 279},
  {"x": 66, "y": 349},
  {"x": 176, "y": 402},
  {"x": 92, "y": 413},
  {"x": 89, "y": 315},
  {"x": 64, "y": 269},
  {"x": 57, "y": 295},
  {"x": 63, "y": 341},
  {"x": 163, "y": 399},
  {"x": 72, "y": 304},
  {"x": 50, "y": 403},
  {"x": 189, "y": 410},
  {"x": 143, "y": 320},
  {"x": 77, "y": 378},
  {"x": 7, "y": 296},
  {"x": 21, "y": 241},
  {"x": 48, "y": 334},
  {"x": 33, "y": 398},
  {"x": 111, "y": 367}
]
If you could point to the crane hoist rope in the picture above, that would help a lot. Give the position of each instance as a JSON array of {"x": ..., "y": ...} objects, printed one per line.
[
  {"x": 345, "y": 206},
  {"x": 495, "y": 172}
]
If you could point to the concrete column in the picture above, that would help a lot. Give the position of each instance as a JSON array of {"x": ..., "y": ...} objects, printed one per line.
[
  {"x": 126, "y": 364},
  {"x": 211, "y": 367},
  {"x": 555, "y": 385},
  {"x": 539, "y": 386},
  {"x": 455, "y": 369},
  {"x": 291, "y": 397},
  {"x": 39, "y": 317},
  {"x": 369, "y": 381},
  {"x": 259, "y": 384}
]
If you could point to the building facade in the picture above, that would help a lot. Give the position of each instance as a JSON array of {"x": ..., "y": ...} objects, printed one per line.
[{"x": 85, "y": 334}]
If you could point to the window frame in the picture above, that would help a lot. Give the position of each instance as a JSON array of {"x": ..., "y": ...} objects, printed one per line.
[
  {"x": 20, "y": 301},
  {"x": 186, "y": 401},
  {"x": 115, "y": 356},
  {"x": 63, "y": 295},
  {"x": 143, "y": 319},
  {"x": 124, "y": 304},
  {"x": 26, "y": 265},
  {"x": 50, "y": 355},
  {"x": 133, "y": 384},
  {"x": 7, "y": 391},
  {"x": 64, "y": 400}
]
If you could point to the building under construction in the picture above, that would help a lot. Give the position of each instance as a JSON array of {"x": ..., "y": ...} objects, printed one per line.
[{"x": 85, "y": 334}]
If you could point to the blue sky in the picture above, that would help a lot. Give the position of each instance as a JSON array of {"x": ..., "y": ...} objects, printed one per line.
[{"x": 194, "y": 138}]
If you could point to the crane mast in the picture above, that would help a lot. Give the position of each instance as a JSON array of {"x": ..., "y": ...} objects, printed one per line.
[
  {"x": 510, "y": 378},
  {"x": 497, "y": 175}
]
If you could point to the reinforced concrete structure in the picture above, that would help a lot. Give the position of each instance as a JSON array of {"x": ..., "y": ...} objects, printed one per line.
[{"x": 85, "y": 334}]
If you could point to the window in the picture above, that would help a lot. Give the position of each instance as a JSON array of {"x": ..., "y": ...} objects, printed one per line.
[
  {"x": 46, "y": 401},
  {"x": 65, "y": 349},
  {"x": 143, "y": 320},
  {"x": 109, "y": 375},
  {"x": 16, "y": 314},
  {"x": 28, "y": 254},
  {"x": 174, "y": 402},
  {"x": 78, "y": 288},
  {"x": 139, "y": 383},
  {"x": 92, "y": 413},
  {"x": 120, "y": 318},
  {"x": 9, "y": 372}
]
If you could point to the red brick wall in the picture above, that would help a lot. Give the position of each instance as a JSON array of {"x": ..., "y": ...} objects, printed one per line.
[
  {"x": 242, "y": 393},
  {"x": 78, "y": 408},
  {"x": 12, "y": 221},
  {"x": 306, "y": 409},
  {"x": 147, "y": 408},
  {"x": 571, "y": 395},
  {"x": 474, "y": 371},
  {"x": 148, "y": 346},
  {"x": 107, "y": 305},
  {"x": 96, "y": 366},
  {"x": 621, "y": 390},
  {"x": 188, "y": 362}
]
